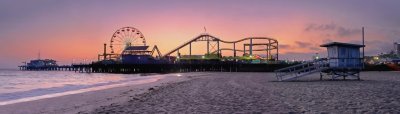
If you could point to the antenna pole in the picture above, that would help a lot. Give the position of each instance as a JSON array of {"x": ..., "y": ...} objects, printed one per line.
[{"x": 363, "y": 47}]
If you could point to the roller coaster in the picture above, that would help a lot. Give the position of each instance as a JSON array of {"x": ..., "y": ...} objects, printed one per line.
[
  {"x": 128, "y": 45},
  {"x": 213, "y": 46}
]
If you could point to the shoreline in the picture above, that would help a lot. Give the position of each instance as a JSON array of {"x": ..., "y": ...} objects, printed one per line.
[
  {"x": 74, "y": 102},
  {"x": 78, "y": 91}
]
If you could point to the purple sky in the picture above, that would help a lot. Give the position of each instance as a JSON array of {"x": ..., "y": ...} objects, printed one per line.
[{"x": 70, "y": 29}]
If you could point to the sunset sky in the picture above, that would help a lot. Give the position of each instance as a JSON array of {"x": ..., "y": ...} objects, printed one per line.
[{"x": 67, "y": 30}]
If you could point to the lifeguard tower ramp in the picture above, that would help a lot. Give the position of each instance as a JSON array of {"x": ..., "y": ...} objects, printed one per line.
[
  {"x": 344, "y": 60},
  {"x": 300, "y": 70}
]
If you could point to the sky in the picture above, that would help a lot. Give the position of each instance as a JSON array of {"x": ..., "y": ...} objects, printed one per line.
[{"x": 74, "y": 30}]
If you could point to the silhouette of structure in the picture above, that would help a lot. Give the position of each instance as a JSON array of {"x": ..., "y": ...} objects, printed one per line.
[
  {"x": 213, "y": 46},
  {"x": 42, "y": 64},
  {"x": 129, "y": 53},
  {"x": 344, "y": 60},
  {"x": 128, "y": 46}
]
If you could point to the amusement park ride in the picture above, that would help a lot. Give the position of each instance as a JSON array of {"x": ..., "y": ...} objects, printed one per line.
[
  {"x": 128, "y": 46},
  {"x": 213, "y": 47}
]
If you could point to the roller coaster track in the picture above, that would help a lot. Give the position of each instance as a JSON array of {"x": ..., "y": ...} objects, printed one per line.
[
  {"x": 237, "y": 50},
  {"x": 208, "y": 37}
]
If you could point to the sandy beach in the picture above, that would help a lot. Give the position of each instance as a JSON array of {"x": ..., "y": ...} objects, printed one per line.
[{"x": 220, "y": 92}]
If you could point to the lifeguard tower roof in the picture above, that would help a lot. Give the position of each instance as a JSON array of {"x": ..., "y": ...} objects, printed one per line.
[{"x": 341, "y": 44}]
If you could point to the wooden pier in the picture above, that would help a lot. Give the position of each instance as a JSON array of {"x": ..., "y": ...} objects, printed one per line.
[
  {"x": 48, "y": 68},
  {"x": 167, "y": 68}
]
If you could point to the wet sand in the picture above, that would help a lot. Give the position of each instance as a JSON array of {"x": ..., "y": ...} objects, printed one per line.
[
  {"x": 379, "y": 92},
  {"x": 87, "y": 101}
]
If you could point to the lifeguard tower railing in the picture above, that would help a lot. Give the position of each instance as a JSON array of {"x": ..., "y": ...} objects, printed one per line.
[{"x": 300, "y": 70}]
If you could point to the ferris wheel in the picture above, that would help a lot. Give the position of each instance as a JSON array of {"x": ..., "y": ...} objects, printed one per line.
[{"x": 125, "y": 37}]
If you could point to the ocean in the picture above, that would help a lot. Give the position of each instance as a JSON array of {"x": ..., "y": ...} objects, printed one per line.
[{"x": 21, "y": 86}]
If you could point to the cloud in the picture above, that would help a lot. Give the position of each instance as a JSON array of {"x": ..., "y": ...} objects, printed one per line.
[
  {"x": 308, "y": 46},
  {"x": 284, "y": 46},
  {"x": 334, "y": 29},
  {"x": 322, "y": 27},
  {"x": 315, "y": 48},
  {"x": 343, "y": 32},
  {"x": 302, "y": 44}
]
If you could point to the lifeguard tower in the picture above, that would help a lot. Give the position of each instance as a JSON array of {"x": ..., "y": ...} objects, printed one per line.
[{"x": 344, "y": 60}]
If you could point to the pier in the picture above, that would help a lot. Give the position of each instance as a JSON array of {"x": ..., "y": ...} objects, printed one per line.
[
  {"x": 48, "y": 68},
  {"x": 168, "y": 68}
]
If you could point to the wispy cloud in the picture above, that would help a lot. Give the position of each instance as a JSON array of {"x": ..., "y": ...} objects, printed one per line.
[
  {"x": 315, "y": 48},
  {"x": 320, "y": 27},
  {"x": 343, "y": 32},
  {"x": 302, "y": 44},
  {"x": 332, "y": 28},
  {"x": 284, "y": 46}
]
